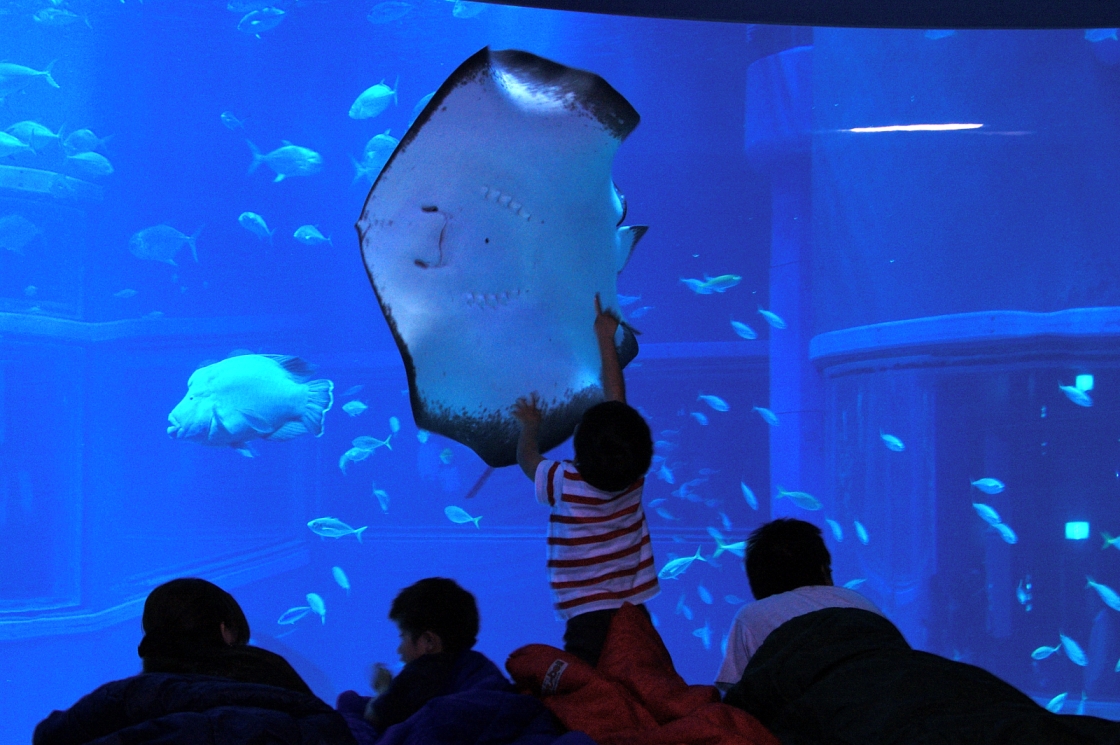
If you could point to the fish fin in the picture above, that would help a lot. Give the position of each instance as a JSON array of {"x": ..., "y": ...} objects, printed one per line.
[
  {"x": 396, "y": 85},
  {"x": 320, "y": 397},
  {"x": 295, "y": 365},
  {"x": 257, "y": 157},
  {"x": 47, "y": 74},
  {"x": 475, "y": 521},
  {"x": 286, "y": 142},
  {"x": 359, "y": 531},
  {"x": 243, "y": 448},
  {"x": 191, "y": 242},
  {"x": 288, "y": 431},
  {"x": 628, "y": 237},
  {"x": 255, "y": 422},
  {"x": 359, "y": 172}
]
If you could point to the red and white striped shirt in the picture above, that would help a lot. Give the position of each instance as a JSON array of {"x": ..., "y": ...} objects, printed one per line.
[{"x": 599, "y": 552}]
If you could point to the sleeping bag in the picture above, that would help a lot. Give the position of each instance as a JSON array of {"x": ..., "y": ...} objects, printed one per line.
[
  {"x": 633, "y": 696},
  {"x": 845, "y": 675}
]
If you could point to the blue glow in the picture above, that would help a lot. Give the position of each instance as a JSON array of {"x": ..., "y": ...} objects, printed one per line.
[
  {"x": 1077, "y": 531},
  {"x": 1084, "y": 382}
]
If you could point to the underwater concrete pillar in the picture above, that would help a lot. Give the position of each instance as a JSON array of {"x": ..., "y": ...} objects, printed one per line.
[{"x": 779, "y": 108}]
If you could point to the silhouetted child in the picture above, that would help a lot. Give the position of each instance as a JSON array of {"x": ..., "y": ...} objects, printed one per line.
[{"x": 599, "y": 552}]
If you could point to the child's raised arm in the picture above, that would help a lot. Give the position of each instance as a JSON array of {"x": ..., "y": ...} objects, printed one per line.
[
  {"x": 529, "y": 456},
  {"x": 606, "y": 324}
]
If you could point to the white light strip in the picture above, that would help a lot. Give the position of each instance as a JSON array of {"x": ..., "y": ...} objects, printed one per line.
[{"x": 915, "y": 128}]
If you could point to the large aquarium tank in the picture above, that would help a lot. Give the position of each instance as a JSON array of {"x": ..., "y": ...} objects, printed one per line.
[{"x": 880, "y": 291}]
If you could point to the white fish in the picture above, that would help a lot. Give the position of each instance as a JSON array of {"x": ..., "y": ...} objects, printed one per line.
[
  {"x": 290, "y": 616},
  {"x": 459, "y": 516},
  {"x": 748, "y": 495},
  {"x": 724, "y": 520},
  {"x": 341, "y": 578},
  {"x": 230, "y": 121},
  {"x": 989, "y": 486},
  {"x": 733, "y": 600},
  {"x": 837, "y": 530},
  {"x": 365, "y": 442},
  {"x": 17, "y": 77},
  {"x": 58, "y": 17},
  {"x": 422, "y": 435},
  {"x": 1054, "y": 705},
  {"x": 683, "y": 609},
  {"x": 11, "y": 145},
  {"x": 394, "y": 424},
  {"x": 987, "y": 514},
  {"x": 382, "y": 498},
  {"x": 332, "y": 527},
  {"x": 1023, "y": 594},
  {"x": 316, "y": 604},
  {"x": 353, "y": 455},
  {"x": 892, "y": 442},
  {"x": 256, "y": 22},
  {"x": 373, "y": 100},
  {"x": 16, "y": 232},
  {"x": 256, "y": 225},
  {"x": 354, "y": 408},
  {"x": 624, "y": 300},
  {"x": 639, "y": 312},
  {"x": 665, "y": 514},
  {"x": 665, "y": 473},
  {"x": 126, "y": 293},
  {"x": 738, "y": 548},
  {"x": 704, "y": 634},
  {"x": 34, "y": 134},
  {"x": 717, "y": 403},
  {"x": 773, "y": 319},
  {"x": 416, "y": 112},
  {"x": 854, "y": 583},
  {"x": 83, "y": 141},
  {"x": 767, "y": 416},
  {"x": 861, "y": 533},
  {"x": 1006, "y": 533},
  {"x": 90, "y": 164},
  {"x": 161, "y": 243},
  {"x": 251, "y": 396},
  {"x": 288, "y": 160},
  {"x": 1043, "y": 652},
  {"x": 699, "y": 417},
  {"x": 705, "y": 596},
  {"x": 804, "y": 500},
  {"x": 466, "y": 9},
  {"x": 1075, "y": 394},
  {"x": 677, "y": 567},
  {"x": 309, "y": 235},
  {"x": 744, "y": 330},
  {"x": 1107, "y": 594},
  {"x": 1073, "y": 651},
  {"x": 1100, "y": 34}
]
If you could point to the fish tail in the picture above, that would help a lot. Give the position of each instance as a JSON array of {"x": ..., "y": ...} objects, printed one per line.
[
  {"x": 192, "y": 244},
  {"x": 475, "y": 521},
  {"x": 396, "y": 85},
  {"x": 359, "y": 171},
  {"x": 47, "y": 75},
  {"x": 359, "y": 531},
  {"x": 1107, "y": 541},
  {"x": 387, "y": 441},
  {"x": 320, "y": 398},
  {"x": 257, "y": 157}
]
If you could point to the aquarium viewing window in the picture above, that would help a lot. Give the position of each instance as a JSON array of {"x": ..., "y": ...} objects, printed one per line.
[{"x": 879, "y": 292}]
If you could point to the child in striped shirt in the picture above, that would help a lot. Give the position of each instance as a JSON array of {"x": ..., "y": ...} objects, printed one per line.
[{"x": 599, "y": 552}]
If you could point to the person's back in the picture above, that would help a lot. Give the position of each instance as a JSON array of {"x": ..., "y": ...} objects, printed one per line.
[{"x": 599, "y": 550}]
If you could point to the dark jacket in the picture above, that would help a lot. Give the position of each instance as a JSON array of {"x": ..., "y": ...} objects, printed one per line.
[
  {"x": 844, "y": 675},
  {"x": 184, "y": 709}
]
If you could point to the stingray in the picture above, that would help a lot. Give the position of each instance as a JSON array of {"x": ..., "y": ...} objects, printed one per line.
[{"x": 486, "y": 238}]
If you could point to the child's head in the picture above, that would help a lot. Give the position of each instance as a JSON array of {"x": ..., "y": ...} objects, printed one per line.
[
  {"x": 785, "y": 554},
  {"x": 613, "y": 446},
  {"x": 434, "y": 615}
]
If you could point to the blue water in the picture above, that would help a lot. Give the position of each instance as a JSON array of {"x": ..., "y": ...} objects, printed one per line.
[{"x": 937, "y": 287}]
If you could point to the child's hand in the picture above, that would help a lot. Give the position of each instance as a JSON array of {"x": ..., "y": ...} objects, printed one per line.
[
  {"x": 527, "y": 411},
  {"x": 381, "y": 679},
  {"x": 606, "y": 322}
]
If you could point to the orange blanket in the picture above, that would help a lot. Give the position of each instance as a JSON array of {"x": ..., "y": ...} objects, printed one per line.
[{"x": 634, "y": 696}]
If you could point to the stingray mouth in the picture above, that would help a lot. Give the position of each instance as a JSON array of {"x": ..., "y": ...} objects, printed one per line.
[{"x": 491, "y": 299}]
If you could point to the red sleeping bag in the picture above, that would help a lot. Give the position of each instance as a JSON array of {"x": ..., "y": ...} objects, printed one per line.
[{"x": 634, "y": 696}]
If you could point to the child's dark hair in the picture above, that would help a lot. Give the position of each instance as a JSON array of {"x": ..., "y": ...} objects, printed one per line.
[
  {"x": 613, "y": 446},
  {"x": 439, "y": 605},
  {"x": 183, "y": 618},
  {"x": 785, "y": 554}
]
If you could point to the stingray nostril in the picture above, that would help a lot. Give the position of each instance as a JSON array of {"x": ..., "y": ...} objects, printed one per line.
[
  {"x": 429, "y": 208},
  {"x": 421, "y": 264}
]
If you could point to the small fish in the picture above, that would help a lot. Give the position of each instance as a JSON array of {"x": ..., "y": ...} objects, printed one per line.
[
  {"x": 161, "y": 243},
  {"x": 466, "y": 9},
  {"x": 331, "y": 527},
  {"x": 656, "y": 502},
  {"x": 861, "y": 533},
  {"x": 416, "y": 112},
  {"x": 624, "y": 300},
  {"x": 33, "y": 134},
  {"x": 936, "y": 34},
  {"x": 353, "y": 389},
  {"x": 1075, "y": 394},
  {"x": 739, "y": 548},
  {"x": 373, "y": 100},
  {"x": 394, "y": 424},
  {"x": 1073, "y": 651},
  {"x": 256, "y": 22},
  {"x": 1054, "y": 705},
  {"x": 15, "y": 78},
  {"x": 126, "y": 293},
  {"x": 366, "y": 442},
  {"x": 341, "y": 578},
  {"x": 12, "y": 145},
  {"x": 288, "y": 160},
  {"x": 16, "y": 232},
  {"x": 1023, "y": 594},
  {"x": 382, "y": 498},
  {"x": 90, "y": 164},
  {"x": 446, "y": 455},
  {"x": 353, "y": 455},
  {"x": 422, "y": 435},
  {"x": 748, "y": 495},
  {"x": 708, "y": 285},
  {"x": 837, "y": 530},
  {"x": 59, "y": 17},
  {"x": 989, "y": 486},
  {"x": 804, "y": 500},
  {"x": 893, "y": 443},
  {"x": 724, "y": 520},
  {"x": 767, "y": 416},
  {"x": 1100, "y": 34},
  {"x": 231, "y": 121},
  {"x": 677, "y": 567},
  {"x": 1006, "y": 533},
  {"x": 744, "y": 330},
  {"x": 733, "y": 600},
  {"x": 854, "y": 583},
  {"x": 664, "y": 513},
  {"x": 699, "y": 417},
  {"x": 1043, "y": 652},
  {"x": 316, "y": 604},
  {"x": 391, "y": 10},
  {"x": 773, "y": 319},
  {"x": 30, "y": 291},
  {"x": 705, "y": 596},
  {"x": 665, "y": 473},
  {"x": 255, "y": 224},
  {"x": 459, "y": 516},
  {"x": 309, "y": 235},
  {"x": 987, "y": 514},
  {"x": 683, "y": 609},
  {"x": 354, "y": 408},
  {"x": 1107, "y": 594},
  {"x": 717, "y": 403},
  {"x": 639, "y": 312},
  {"x": 704, "y": 634},
  {"x": 290, "y": 616},
  {"x": 1110, "y": 541}
]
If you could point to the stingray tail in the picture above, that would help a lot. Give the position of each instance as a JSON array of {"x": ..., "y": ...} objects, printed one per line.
[
  {"x": 320, "y": 396},
  {"x": 257, "y": 157}
]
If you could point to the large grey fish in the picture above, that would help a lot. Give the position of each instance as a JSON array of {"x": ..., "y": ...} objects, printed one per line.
[
  {"x": 90, "y": 164},
  {"x": 34, "y": 134},
  {"x": 288, "y": 160},
  {"x": 83, "y": 141},
  {"x": 17, "y": 77},
  {"x": 10, "y": 145},
  {"x": 161, "y": 243},
  {"x": 16, "y": 231}
]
